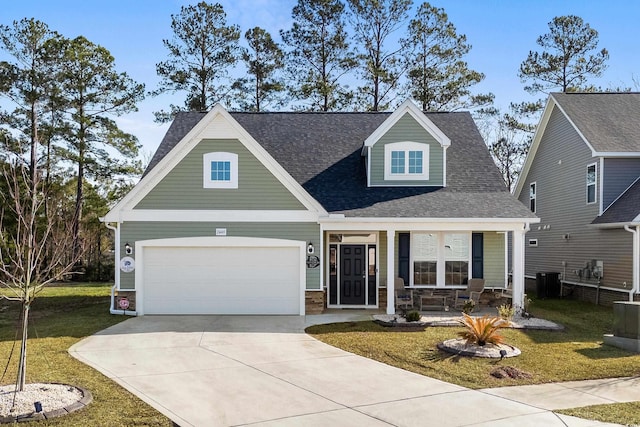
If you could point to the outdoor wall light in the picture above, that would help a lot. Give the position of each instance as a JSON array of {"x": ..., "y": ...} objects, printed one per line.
[
  {"x": 310, "y": 249},
  {"x": 128, "y": 249}
]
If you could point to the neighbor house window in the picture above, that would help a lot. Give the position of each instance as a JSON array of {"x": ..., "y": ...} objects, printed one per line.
[
  {"x": 220, "y": 170},
  {"x": 591, "y": 183},
  {"x": 532, "y": 196},
  {"x": 406, "y": 161}
]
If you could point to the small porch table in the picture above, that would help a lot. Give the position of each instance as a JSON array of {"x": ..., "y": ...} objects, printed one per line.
[{"x": 433, "y": 302}]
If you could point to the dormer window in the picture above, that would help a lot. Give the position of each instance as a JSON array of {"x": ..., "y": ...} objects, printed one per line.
[
  {"x": 406, "y": 161},
  {"x": 220, "y": 170}
]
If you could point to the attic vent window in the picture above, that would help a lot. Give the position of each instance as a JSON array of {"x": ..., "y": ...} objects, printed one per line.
[
  {"x": 220, "y": 170},
  {"x": 406, "y": 161}
]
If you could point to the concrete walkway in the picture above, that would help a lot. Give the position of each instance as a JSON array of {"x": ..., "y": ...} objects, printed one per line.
[{"x": 265, "y": 371}]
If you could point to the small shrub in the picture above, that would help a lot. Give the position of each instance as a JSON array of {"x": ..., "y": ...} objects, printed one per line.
[
  {"x": 482, "y": 330},
  {"x": 469, "y": 306},
  {"x": 412, "y": 316},
  {"x": 506, "y": 312}
]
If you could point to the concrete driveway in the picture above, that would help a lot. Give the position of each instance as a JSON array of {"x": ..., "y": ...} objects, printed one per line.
[{"x": 265, "y": 371}]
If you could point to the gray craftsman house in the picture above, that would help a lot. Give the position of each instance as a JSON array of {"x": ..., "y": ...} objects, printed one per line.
[
  {"x": 289, "y": 213},
  {"x": 582, "y": 178}
]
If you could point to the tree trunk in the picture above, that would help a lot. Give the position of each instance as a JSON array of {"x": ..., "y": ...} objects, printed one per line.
[{"x": 22, "y": 366}]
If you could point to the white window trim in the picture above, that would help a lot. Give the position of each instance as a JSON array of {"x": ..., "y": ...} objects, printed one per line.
[
  {"x": 595, "y": 184},
  {"x": 533, "y": 184},
  {"x": 219, "y": 156},
  {"x": 406, "y": 146},
  {"x": 440, "y": 258}
]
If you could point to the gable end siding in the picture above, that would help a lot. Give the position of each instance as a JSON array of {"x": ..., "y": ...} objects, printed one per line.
[
  {"x": 618, "y": 175},
  {"x": 559, "y": 170},
  {"x": 257, "y": 188},
  {"x": 407, "y": 129}
]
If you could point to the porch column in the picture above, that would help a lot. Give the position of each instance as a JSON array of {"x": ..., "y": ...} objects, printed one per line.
[
  {"x": 517, "y": 278},
  {"x": 391, "y": 274}
]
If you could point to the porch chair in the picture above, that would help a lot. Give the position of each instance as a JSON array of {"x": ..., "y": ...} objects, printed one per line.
[
  {"x": 475, "y": 287},
  {"x": 403, "y": 297}
]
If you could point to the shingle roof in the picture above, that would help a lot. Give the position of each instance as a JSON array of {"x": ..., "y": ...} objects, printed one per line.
[
  {"x": 624, "y": 210},
  {"x": 609, "y": 121},
  {"x": 321, "y": 151}
]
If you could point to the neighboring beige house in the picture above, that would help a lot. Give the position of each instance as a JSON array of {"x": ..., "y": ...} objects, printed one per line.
[
  {"x": 288, "y": 213},
  {"x": 582, "y": 178}
]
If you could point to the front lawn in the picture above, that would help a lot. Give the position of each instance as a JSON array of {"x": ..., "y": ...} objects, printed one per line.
[
  {"x": 60, "y": 317},
  {"x": 577, "y": 353}
]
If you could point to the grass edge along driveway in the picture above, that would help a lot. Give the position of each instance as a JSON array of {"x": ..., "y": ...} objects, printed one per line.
[
  {"x": 61, "y": 316},
  {"x": 577, "y": 353}
]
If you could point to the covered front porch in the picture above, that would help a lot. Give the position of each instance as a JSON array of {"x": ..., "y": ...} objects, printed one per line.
[{"x": 432, "y": 258}]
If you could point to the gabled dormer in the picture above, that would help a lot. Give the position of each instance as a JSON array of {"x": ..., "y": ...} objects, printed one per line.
[{"x": 407, "y": 149}]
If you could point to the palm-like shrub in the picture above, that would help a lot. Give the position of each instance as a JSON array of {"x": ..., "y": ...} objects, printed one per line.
[{"x": 482, "y": 330}]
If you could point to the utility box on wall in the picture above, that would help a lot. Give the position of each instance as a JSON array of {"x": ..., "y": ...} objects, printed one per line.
[
  {"x": 626, "y": 326},
  {"x": 548, "y": 285},
  {"x": 626, "y": 319}
]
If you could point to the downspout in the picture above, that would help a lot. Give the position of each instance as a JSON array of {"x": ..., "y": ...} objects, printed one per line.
[
  {"x": 636, "y": 260},
  {"x": 116, "y": 285}
]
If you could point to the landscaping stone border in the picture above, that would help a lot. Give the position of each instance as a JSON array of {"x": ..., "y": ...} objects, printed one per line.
[
  {"x": 460, "y": 347},
  {"x": 87, "y": 398}
]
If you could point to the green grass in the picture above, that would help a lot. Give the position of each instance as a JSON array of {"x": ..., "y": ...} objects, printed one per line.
[
  {"x": 619, "y": 413},
  {"x": 60, "y": 317},
  {"x": 577, "y": 353}
]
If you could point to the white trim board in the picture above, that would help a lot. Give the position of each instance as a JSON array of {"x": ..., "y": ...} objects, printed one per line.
[{"x": 156, "y": 215}]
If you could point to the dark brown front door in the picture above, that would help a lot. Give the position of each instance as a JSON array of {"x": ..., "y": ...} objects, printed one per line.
[{"x": 353, "y": 274}]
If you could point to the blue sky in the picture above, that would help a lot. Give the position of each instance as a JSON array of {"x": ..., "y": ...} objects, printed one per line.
[{"x": 501, "y": 32}]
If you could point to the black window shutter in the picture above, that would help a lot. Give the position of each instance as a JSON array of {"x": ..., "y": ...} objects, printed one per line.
[
  {"x": 404, "y": 247},
  {"x": 477, "y": 255}
]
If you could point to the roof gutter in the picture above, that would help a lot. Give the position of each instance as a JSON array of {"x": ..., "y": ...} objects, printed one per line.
[
  {"x": 341, "y": 218},
  {"x": 635, "y": 261}
]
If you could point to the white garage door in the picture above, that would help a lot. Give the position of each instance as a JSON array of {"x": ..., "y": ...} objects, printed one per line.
[{"x": 221, "y": 280}]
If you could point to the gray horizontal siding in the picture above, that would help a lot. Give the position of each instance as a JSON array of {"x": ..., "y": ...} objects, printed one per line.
[
  {"x": 132, "y": 232},
  {"x": 559, "y": 170},
  {"x": 618, "y": 175},
  {"x": 407, "y": 129},
  {"x": 182, "y": 188}
]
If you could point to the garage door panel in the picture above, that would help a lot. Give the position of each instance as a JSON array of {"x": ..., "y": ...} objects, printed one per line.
[{"x": 222, "y": 280}]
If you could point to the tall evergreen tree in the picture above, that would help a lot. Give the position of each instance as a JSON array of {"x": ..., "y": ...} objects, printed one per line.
[
  {"x": 27, "y": 81},
  {"x": 382, "y": 66},
  {"x": 319, "y": 55},
  {"x": 569, "y": 57},
  {"x": 264, "y": 60},
  {"x": 201, "y": 51},
  {"x": 94, "y": 92},
  {"x": 438, "y": 77}
]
